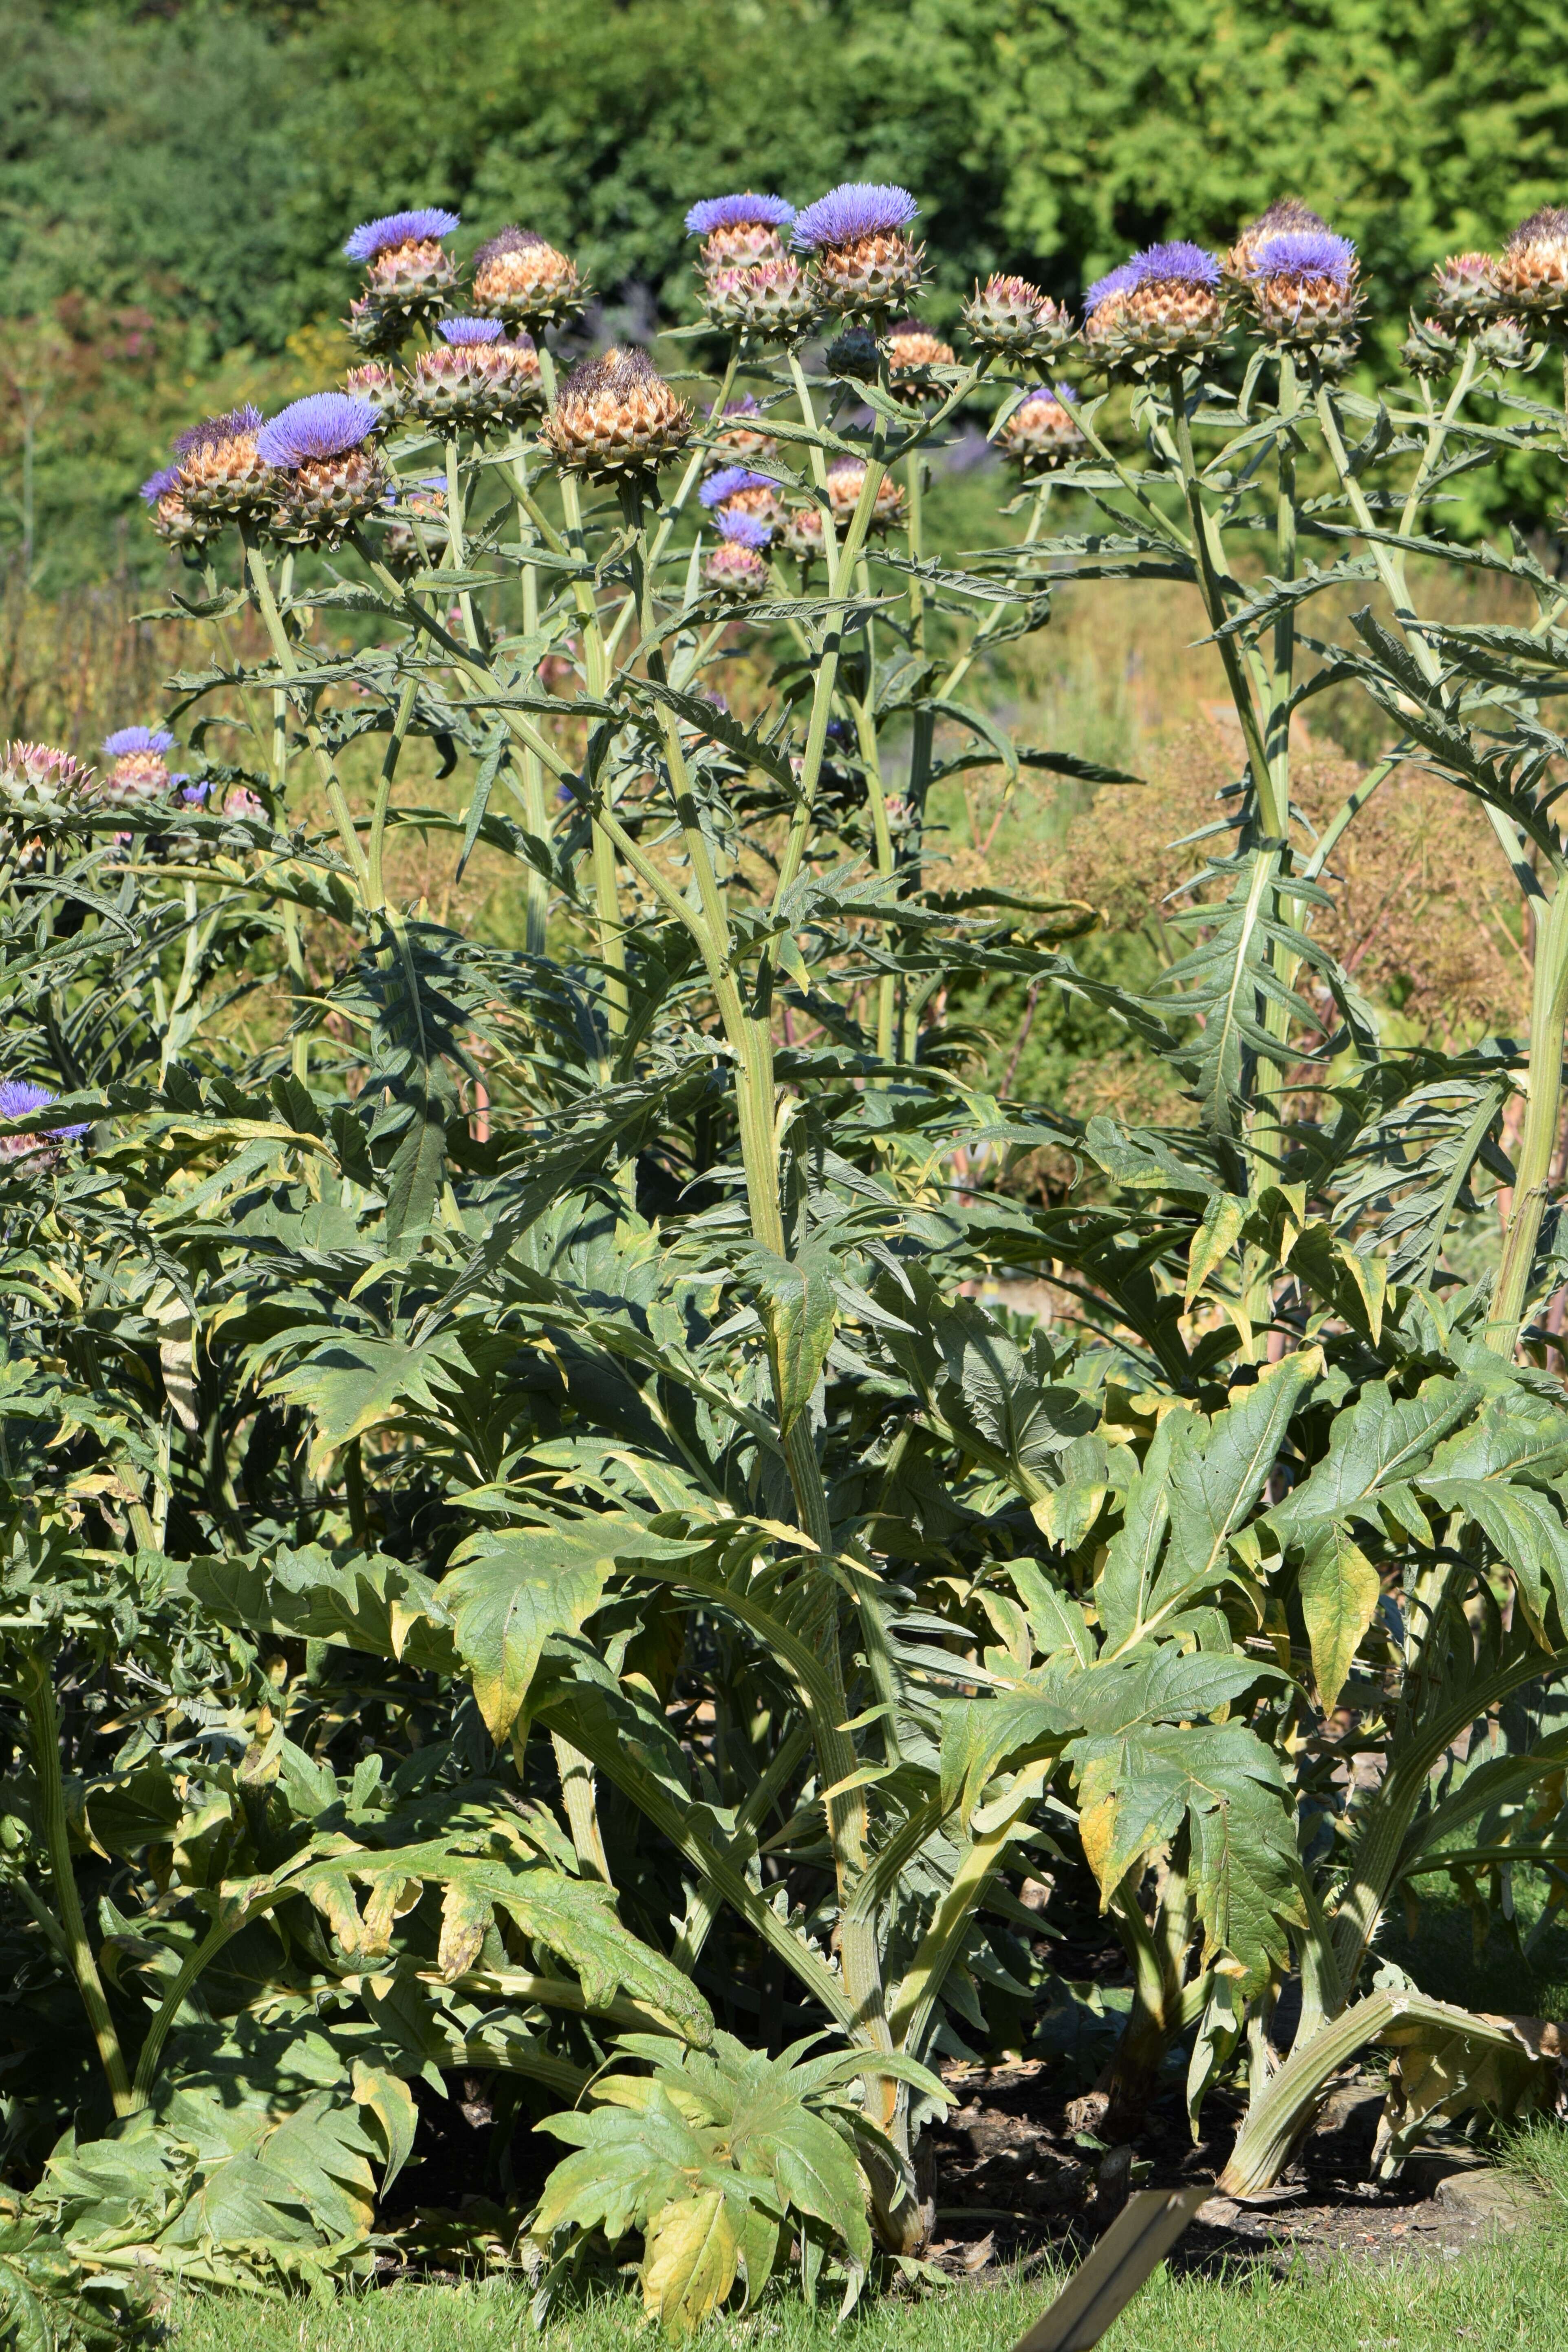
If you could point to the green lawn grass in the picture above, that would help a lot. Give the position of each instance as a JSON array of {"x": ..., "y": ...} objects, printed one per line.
[{"x": 1509, "y": 2291}]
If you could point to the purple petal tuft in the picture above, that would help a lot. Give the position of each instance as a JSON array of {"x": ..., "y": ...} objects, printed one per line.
[
  {"x": 1188, "y": 264},
  {"x": 137, "y": 739},
  {"x": 158, "y": 485},
  {"x": 737, "y": 212},
  {"x": 399, "y": 228},
  {"x": 1306, "y": 253},
  {"x": 858, "y": 208},
  {"x": 745, "y": 530},
  {"x": 233, "y": 424},
  {"x": 323, "y": 424},
  {"x": 728, "y": 480},
  {"x": 461, "y": 333},
  {"x": 1120, "y": 280}
]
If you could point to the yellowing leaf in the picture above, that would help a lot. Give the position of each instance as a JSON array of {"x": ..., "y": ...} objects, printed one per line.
[
  {"x": 690, "y": 2261},
  {"x": 1212, "y": 1244},
  {"x": 1340, "y": 1591}
]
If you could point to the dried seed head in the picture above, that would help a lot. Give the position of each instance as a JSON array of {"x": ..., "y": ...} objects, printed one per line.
[
  {"x": 520, "y": 279},
  {"x": 616, "y": 418}
]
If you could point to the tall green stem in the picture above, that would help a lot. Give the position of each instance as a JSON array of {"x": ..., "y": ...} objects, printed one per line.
[{"x": 44, "y": 1730}]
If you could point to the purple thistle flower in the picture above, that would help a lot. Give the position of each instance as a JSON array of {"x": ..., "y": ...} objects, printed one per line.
[
  {"x": 855, "y": 209},
  {"x": 1120, "y": 280},
  {"x": 737, "y": 212},
  {"x": 230, "y": 426},
  {"x": 323, "y": 424},
  {"x": 158, "y": 485},
  {"x": 19, "y": 1098},
  {"x": 1306, "y": 253},
  {"x": 745, "y": 530},
  {"x": 1064, "y": 393},
  {"x": 729, "y": 480},
  {"x": 462, "y": 332},
  {"x": 137, "y": 739},
  {"x": 1181, "y": 260},
  {"x": 416, "y": 227},
  {"x": 745, "y": 406},
  {"x": 194, "y": 796}
]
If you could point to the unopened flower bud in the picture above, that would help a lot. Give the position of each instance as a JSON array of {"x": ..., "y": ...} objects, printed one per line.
[
  {"x": 737, "y": 566},
  {"x": 1504, "y": 343},
  {"x": 378, "y": 383},
  {"x": 766, "y": 301},
  {"x": 1042, "y": 434},
  {"x": 616, "y": 418},
  {"x": 1464, "y": 288},
  {"x": 864, "y": 265},
  {"x": 450, "y": 383},
  {"x": 36, "y": 778},
  {"x": 1431, "y": 348},
  {"x": 523, "y": 280},
  {"x": 1010, "y": 316},
  {"x": 854, "y": 354}
]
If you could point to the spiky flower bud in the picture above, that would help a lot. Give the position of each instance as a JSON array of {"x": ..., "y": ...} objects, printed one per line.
[
  {"x": 733, "y": 490},
  {"x": 1042, "y": 433},
  {"x": 1532, "y": 273},
  {"x": 332, "y": 479},
  {"x": 741, "y": 442},
  {"x": 523, "y": 280},
  {"x": 616, "y": 418},
  {"x": 1305, "y": 285},
  {"x": 408, "y": 273},
  {"x": 863, "y": 263},
  {"x": 854, "y": 354},
  {"x": 1464, "y": 288},
  {"x": 739, "y": 230},
  {"x": 138, "y": 770},
  {"x": 768, "y": 301},
  {"x": 1287, "y": 216},
  {"x": 220, "y": 473},
  {"x": 1010, "y": 316},
  {"x": 846, "y": 479},
  {"x": 34, "y": 1154},
  {"x": 450, "y": 383},
  {"x": 800, "y": 532},
  {"x": 380, "y": 385},
  {"x": 1504, "y": 343},
  {"x": 170, "y": 516},
  {"x": 1431, "y": 348},
  {"x": 913, "y": 350},
  {"x": 36, "y": 778}
]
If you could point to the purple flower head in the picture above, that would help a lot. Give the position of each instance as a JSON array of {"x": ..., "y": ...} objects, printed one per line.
[
  {"x": 230, "y": 426},
  {"x": 19, "y": 1098},
  {"x": 158, "y": 485},
  {"x": 1306, "y": 253},
  {"x": 1063, "y": 394},
  {"x": 858, "y": 208},
  {"x": 137, "y": 739},
  {"x": 728, "y": 481},
  {"x": 323, "y": 424},
  {"x": 461, "y": 333},
  {"x": 194, "y": 795},
  {"x": 737, "y": 212},
  {"x": 745, "y": 530},
  {"x": 1188, "y": 264},
  {"x": 415, "y": 228},
  {"x": 1120, "y": 280},
  {"x": 745, "y": 406}
]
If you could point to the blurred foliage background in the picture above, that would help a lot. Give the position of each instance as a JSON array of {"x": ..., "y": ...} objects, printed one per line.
[{"x": 176, "y": 178}]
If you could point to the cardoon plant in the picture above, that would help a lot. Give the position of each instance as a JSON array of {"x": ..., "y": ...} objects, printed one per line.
[{"x": 547, "y": 1565}]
